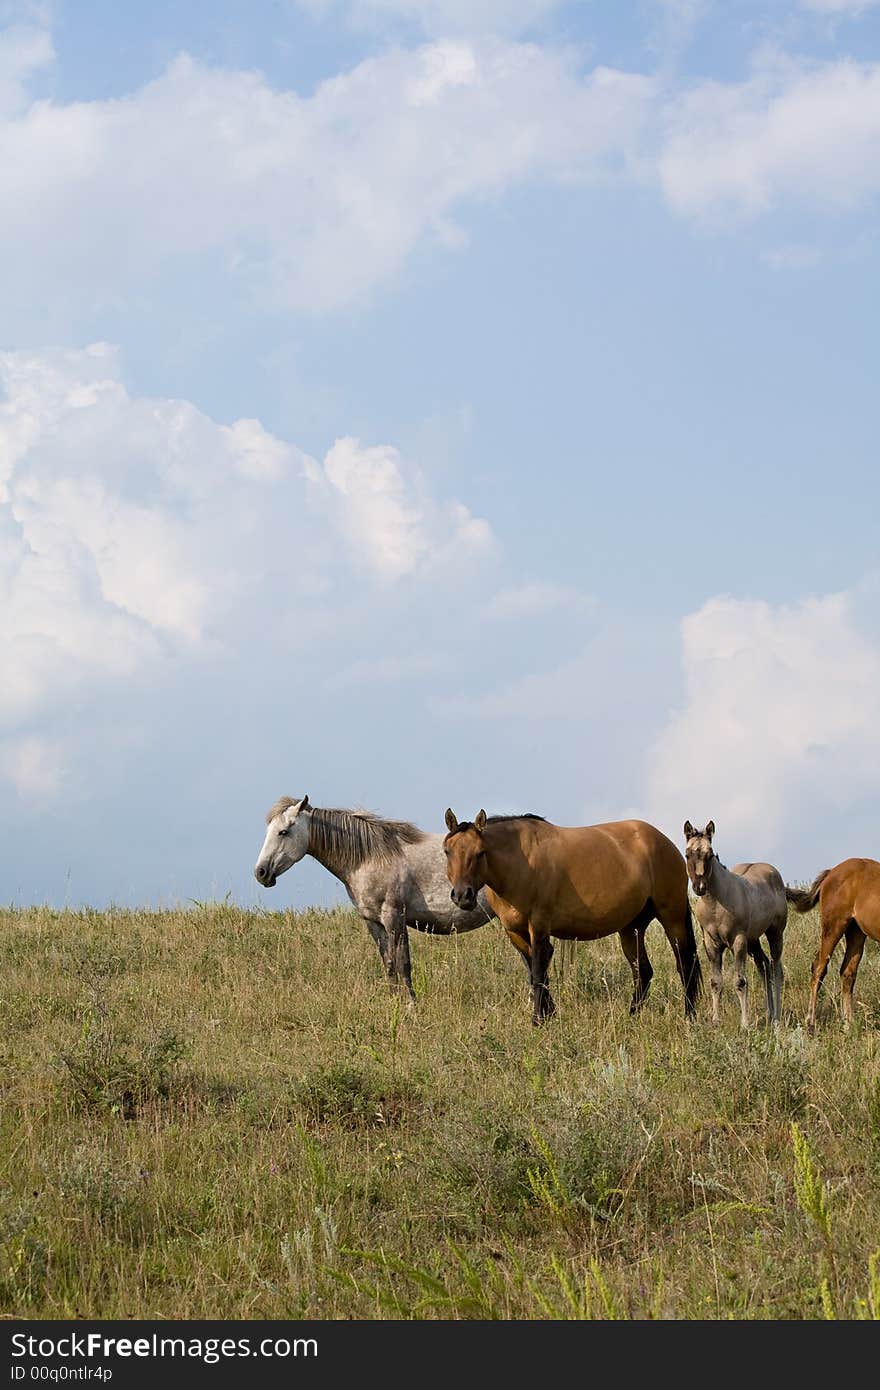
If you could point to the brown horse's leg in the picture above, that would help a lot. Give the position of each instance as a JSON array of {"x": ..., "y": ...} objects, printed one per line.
[
  {"x": 542, "y": 953},
  {"x": 855, "y": 945},
  {"x": 679, "y": 928},
  {"x": 632, "y": 942},
  {"x": 833, "y": 929},
  {"x": 520, "y": 939}
]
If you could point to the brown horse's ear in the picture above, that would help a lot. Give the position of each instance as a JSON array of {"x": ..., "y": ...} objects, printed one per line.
[
  {"x": 688, "y": 830},
  {"x": 480, "y": 821},
  {"x": 710, "y": 828},
  {"x": 451, "y": 820}
]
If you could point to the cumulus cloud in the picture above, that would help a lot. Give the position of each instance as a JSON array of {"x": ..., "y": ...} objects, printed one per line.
[
  {"x": 532, "y": 600},
  {"x": 134, "y": 530},
  {"x": 24, "y": 50},
  {"x": 780, "y": 710},
  {"x": 384, "y": 512},
  {"x": 796, "y": 131},
  {"x": 310, "y": 202}
]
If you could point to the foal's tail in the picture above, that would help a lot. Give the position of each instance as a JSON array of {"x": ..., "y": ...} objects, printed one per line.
[{"x": 802, "y": 899}]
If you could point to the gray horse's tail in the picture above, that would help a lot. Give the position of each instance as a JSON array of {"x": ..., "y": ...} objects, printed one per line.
[{"x": 802, "y": 899}]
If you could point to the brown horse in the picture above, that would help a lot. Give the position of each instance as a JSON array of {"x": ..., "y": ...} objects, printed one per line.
[
  {"x": 575, "y": 883},
  {"x": 849, "y": 898}
]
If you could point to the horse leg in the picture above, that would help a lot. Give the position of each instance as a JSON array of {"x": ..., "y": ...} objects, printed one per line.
[
  {"x": 715, "y": 956},
  {"x": 679, "y": 929},
  {"x": 542, "y": 954},
  {"x": 402, "y": 960},
  {"x": 397, "y": 960},
  {"x": 832, "y": 931},
  {"x": 740, "y": 950},
  {"x": 632, "y": 942},
  {"x": 774, "y": 941},
  {"x": 380, "y": 936},
  {"x": 763, "y": 964},
  {"x": 855, "y": 945}
]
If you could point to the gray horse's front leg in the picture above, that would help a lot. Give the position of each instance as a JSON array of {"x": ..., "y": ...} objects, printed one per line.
[
  {"x": 380, "y": 936},
  {"x": 397, "y": 959}
]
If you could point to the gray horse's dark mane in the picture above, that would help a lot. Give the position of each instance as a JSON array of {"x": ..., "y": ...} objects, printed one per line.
[{"x": 350, "y": 837}]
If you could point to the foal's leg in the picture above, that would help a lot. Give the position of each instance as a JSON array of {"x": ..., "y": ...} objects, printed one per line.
[
  {"x": 715, "y": 956},
  {"x": 833, "y": 929},
  {"x": 740, "y": 950},
  {"x": 632, "y": 942},
  {"x": 774, "y": 941},
  {"x": 763, "y": 965},
  {"x": 855, "y": 945},
  {"x": 542, "y": 1000}
]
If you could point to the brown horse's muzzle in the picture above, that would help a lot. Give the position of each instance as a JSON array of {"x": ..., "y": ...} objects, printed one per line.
[{"x": 465, "y": 898}]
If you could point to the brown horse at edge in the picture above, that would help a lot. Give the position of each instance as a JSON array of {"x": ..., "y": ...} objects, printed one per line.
[
  {"x": 580, "y": 883},
  {"x": 849, "y": 899}
]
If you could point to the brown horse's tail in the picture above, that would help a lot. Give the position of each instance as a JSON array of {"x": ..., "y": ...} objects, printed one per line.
[
  {"x": 696, "y": 973},
  {"x": 802, "y": 899}
]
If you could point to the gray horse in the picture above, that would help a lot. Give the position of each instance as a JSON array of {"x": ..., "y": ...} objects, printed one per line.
[
  {"x": 394, "y": 873},
  {"x": 735, "y": 908}
]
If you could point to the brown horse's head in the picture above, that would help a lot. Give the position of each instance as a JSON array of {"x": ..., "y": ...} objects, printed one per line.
[
  {"x": 465, "y": 858},
  {"x": 699, "y": 855}
]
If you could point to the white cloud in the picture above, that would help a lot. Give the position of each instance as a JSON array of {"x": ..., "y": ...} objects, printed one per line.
[
  {"x": 780, "y": 712},
  {"x": 135, "y": 530},
  {"x": 793, "y": 131},
  {"x": 310, "y": 202},
  {"x": 536, "y": 599},
  {"x": 24, "y": 50},
  {"x": 384, "y": 513},
  {"x": 35, "y": 767}
]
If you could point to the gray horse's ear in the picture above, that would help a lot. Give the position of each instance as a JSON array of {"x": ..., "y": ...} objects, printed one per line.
[
  {"x": 710, "y": 828},
  {"x": 304, "y": 804},
  {"x": 451, "y": 820},
  {"x": 688, "y": 830},
  {"x": 480, "y": 821}
]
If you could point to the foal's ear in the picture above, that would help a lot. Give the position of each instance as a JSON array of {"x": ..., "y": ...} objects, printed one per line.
[
  {"x": 480, "y": 821},
  {"x": 688, "y": 830},
  {"x": 451, "y": 820},
  {"x": 710, "y": 828}
]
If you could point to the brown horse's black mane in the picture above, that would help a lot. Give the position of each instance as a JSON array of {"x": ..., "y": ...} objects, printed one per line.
[{"x": 494, "y": 820}]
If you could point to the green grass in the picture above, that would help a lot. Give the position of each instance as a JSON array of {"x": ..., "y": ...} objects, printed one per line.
[{"x": 220, "y": 1113}]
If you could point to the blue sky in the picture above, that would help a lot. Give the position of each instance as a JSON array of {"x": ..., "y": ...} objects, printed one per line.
[{"x": 420, "y": 402}]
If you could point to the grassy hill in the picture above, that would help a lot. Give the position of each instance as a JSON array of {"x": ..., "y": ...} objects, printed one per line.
[{"x": 222, "y": 1113}]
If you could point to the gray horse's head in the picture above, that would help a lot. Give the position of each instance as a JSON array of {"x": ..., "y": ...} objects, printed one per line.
[
  {"x": 699, "y": 855},
  {"x": 287, "y": 839}
]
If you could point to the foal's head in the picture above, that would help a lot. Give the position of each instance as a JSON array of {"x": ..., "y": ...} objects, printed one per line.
[
  {"x": 287, "y": 839},
  {"x": 465, "y": 858},
  {"x": 699, "y": 855}
]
